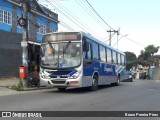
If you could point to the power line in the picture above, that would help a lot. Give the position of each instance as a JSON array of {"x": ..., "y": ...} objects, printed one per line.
[
  {"x": 87, "y": 10},
  {"x": 98, "y": 15},
  {"x": 73, "y": 19},
  {"x": 66, "y": 26},
  {"x": 112, "y": 35},
  {"x": 140, "y": 44}
]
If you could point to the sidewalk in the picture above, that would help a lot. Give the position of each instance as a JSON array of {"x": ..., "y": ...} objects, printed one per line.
[{"x": 6, "y": 82}]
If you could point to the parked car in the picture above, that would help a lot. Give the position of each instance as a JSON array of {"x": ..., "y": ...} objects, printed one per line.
[{"x": 129, "y": 77}]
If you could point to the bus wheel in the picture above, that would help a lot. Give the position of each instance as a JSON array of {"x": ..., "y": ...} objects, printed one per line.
[
  {"x": 94, "y": 86},
  {"x": 61, "y": 89},
  {"x": 116, "y": 83}
]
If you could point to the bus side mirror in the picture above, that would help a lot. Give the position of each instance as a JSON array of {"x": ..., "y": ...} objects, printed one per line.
[{"x": 86, "y": 46}]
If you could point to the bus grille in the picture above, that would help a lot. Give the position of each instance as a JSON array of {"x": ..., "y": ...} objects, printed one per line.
[{"x": 58, "y": 82}]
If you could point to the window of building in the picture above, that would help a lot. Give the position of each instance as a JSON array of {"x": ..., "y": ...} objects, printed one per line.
[
  {"x": 52, "y": 29},
  {"x": 109, "y": 55},
  {"x": 95, "y": 52},
  {"x": 42, "y": 28},
  {"x": 5, "y": 17},
  {"x": 114, "y": 55},
  {"x": 102, "y": 53},
  {"x": 38, "y": 26}
]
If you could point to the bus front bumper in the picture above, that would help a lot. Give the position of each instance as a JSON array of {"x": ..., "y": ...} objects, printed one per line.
[{"x": 60, "y": 82}]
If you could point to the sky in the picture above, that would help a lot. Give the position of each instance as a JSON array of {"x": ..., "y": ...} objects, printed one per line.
[{"x": 138, "y": 21}]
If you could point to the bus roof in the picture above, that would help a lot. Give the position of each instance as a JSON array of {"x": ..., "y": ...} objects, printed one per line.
[
  {"x": 92, "y": 38},
  {"x": 101, "y": 42}
]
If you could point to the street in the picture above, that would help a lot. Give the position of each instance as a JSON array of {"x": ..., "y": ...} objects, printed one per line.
[{"x": 140, "y": 95}]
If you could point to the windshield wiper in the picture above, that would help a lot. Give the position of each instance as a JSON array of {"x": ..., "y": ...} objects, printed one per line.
[{"x": 67, "y": 46}]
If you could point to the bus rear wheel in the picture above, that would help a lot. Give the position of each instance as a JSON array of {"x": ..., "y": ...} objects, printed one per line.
[
  {"x": 118, "y": 82},
  {"x": 94, "y": 86}
]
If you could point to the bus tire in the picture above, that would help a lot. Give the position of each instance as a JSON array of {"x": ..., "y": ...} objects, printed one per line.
[
  {"x": 118, "y": 82},
  {"x": 94, "y": 86}
]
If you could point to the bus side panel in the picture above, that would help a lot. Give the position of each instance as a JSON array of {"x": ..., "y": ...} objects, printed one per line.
[
  {"x": 88, "y": 72},
  {"x": 107, "y": 73}
]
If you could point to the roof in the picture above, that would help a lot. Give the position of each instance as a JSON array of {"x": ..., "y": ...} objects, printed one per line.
[
  {"x": 101, "y": 42},
  {"x": 35, "y": 6},
  {"x": 93, "y": 38}
]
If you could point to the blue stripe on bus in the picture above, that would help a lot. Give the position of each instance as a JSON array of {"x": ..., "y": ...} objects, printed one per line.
[
  {"x": 63, "y": 73},
  {"x": 104, "y": 69}
]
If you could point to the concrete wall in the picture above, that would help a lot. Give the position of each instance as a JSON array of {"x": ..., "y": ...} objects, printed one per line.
[{"x": 10, "y": 53}]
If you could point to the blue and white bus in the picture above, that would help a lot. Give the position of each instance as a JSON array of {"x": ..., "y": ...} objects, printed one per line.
[{"x": 77, "y": 59}]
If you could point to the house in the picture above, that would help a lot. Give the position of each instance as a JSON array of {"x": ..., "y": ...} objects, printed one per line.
[{"x": 41, "y": 20}]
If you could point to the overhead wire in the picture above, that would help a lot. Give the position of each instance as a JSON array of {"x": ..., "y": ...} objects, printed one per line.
[
  {"x": 99, "y": 15},
  {"x": 112, "y": 35},
  {"x": 138, "y": 43},
  {"x": 73, "y": 19},
  {"x": 88, "y": 11},
  {"x": 77, "y": 20},
  {"x": 66, "y": 25}
]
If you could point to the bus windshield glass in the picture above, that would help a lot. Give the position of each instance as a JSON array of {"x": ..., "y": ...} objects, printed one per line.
[{"x": 61, "y": 55}]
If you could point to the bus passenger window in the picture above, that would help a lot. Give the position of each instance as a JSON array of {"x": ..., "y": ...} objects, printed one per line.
[
  {"x": 114, "y": 57},
  {"x": 95, "y": 52},
  {"x": 119, "y": 59},
  {"x": 109, "y": 56},
  {"x": 123, "y": 59},
  {"x": 102, "y": 54},
  {"x": 87, "y": 53}
]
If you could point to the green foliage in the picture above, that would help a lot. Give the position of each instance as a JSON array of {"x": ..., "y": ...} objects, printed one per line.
[
  {"x": 148, "y": 77},
  {"x": 146, "y": 55},
  {"x": 18, "y": 87},
  {"x": 130, "y": 60},
  {"x": 151, "y": 49}
]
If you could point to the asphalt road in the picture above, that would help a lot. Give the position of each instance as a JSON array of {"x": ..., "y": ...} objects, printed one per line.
[{"x": 140, "y": 95}]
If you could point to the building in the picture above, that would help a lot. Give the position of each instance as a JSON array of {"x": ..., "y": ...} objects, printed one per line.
[{"x": 40, "y": 21}]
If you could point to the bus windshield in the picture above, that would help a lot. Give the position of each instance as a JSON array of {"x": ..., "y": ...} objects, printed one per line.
[{"x": 61, "y": 55}]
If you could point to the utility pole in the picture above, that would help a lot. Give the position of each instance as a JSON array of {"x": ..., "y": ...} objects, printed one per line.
[
  {"x": 110, "y": 31},
  {"x": 23, "y": 22}
]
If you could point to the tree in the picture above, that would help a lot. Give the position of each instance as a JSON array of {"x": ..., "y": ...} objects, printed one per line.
[
  {"x": 145, "y": 56},
  {"x": 130, "y": 60},
  {"x": 151, "y": 49}
]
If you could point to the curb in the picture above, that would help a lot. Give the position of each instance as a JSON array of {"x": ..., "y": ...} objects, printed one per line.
[{"x": 37, "y": 88}]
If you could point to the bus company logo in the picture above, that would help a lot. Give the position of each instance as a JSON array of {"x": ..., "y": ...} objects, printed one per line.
[
  {"x": 108, "y": 69},
  {"x": 6, "y": 114}
]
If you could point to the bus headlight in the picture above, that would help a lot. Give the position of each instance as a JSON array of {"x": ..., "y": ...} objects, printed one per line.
[
  {"x": 44, "y": 75},
  {"x": 75, "y": 75}
]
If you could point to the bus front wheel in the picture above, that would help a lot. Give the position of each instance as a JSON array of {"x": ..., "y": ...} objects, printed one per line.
[{"x": 94, "y": 86}]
